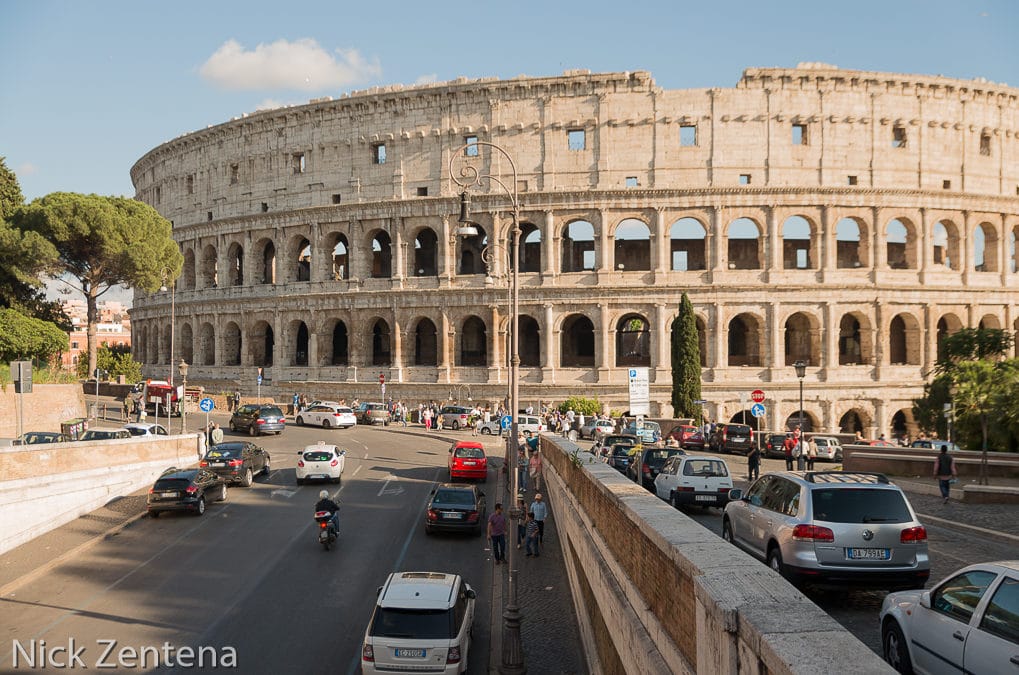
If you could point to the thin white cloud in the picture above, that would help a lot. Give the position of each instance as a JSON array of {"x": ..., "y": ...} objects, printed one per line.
[
  {"x": 300, "y": 65},
  {"x": 270, "y": 104},
  {"x": 27, "y": 169},
  {"x": 427, "y": 79}
]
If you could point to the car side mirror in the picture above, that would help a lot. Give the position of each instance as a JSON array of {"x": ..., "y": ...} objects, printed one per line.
[
  {"x": 471, "y": 594},
  {"x": 480, "y": 493},
  {"x": 925, "y": 599},
  {"x": 735, "y": 495},
  {"x": 378, "y": 590}
]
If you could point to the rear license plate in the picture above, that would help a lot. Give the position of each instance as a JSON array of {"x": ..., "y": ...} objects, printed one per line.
[
  {"x": 738, "y": 439},
  {"x": 868, "y": 553},
  {"x": 167, "y": 494},
  {"x": 455, "y": 515},
  {"x": 410, "y": 653},
  {"x": 704, "y": 498},
  {"x": 470, "y": 462},
  {"x": 219, "y": 464}
]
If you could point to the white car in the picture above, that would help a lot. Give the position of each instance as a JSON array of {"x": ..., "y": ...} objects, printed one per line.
[
  {"x": 327, "y": 416},
  {"x": 596, "y": 429},
  {"x": 146, "y": 429},
  {"x": 321, "y": 462},
  {"x": 422, "y": 623},
  {"x": 694, "y": 480},
  {"x": 968, "y": 623},
  {"x": 829, "y": 448}
]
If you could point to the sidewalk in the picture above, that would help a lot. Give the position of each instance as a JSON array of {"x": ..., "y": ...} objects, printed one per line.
[{"x": 997, "y": 521}]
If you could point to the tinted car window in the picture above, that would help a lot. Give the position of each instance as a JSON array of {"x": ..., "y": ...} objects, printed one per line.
[
  {"x": 737, "y": 429},
  {"x": 705, "y": 467},
  {"x": 225, "y": 451},
  {"x": 272, "y": 411},
  {"x": 621, "y": 450},
  {"x": 470, "y": 453},
  {"x": 1002, "y": 612},
  {"x": 959, "y": 596},
  {"x": 454, "y": 497},
  {"x": 424, "y": 624},
  {"x": 171, "y": 484},
  {"x": 318, "y": 456},
  {"x": 859, "y": 505},
  {"x": 755, "y": 495},
  {"x": 782, "y": 496}
]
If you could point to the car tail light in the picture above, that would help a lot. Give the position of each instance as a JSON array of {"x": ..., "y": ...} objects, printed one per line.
[
  {"x": 724, "y": 490},
  {"x": 724, "y": 431},
  {"x": 647, "y": 469},
  {"x": 911, "y": 535},
  {"x": 812, "y": 533},
  {"x": 191, "y": 489},
  {"x": 367, "y": 653},
  {"x": 683, "y": 488},
  {"x": 260, "y": 421},
  {"x": 152, "y": 489},
  {"x": 300, "y": 463},
  {"x": 472, "y": 517},
  {"x": 334, "y": 462},
  {"x": 432, "y": 515},
  {"x": 453, "y": 655},
  {"x": 235, "y": 462},
  {"x": 203, "y": 463}
]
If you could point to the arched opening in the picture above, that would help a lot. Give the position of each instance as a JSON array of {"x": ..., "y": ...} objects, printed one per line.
[
  {"x": 382, "y": 256},
  {"x": 686, "y": 245},
  {"x": 851, "y": 422},
  {"x": 187, "y": 343},
  {"x": 745, "y": 417},
  {"x": 529, "y": 345},
  {"x": 578, "y": 247},
  {"x": 426, "y": 254},
  {"x": 235, "y": 265},
  {"x": 263, "y": 344},
  {"x": 267, "y": 271},
  {"x": 744, "y": 245},
  {"x": 207, "y": 344},
  {"x": 947, "y": 325},
  {"x": 300, "y": 332},
  {"x": 745, "y": 341},
  {"x": 855, "y": 344},
  {"x": 340, "y": 345},
  {"x": 426, "y": 343},
  {"x": 633, "y": 341},
  {"x": 801, "y": 340},
  {"x": 381, "y": 350},
  {"x": 702, "y": 341},
  {"x": 985, "y": 248},
  {"x": 472, "y": 260},
  {"x": 164, "y": 353},
  {"x": 188, "y": 276},
  {"x": 796, "y": 244},
  {"x": 302, "y": 272},
  {"x": 577, "y": 346},
  {"x": 210, "y": 267},
  {"x": 848, "y": 248},
  {"x": 904, "y": 340},
  {"x": 946, "y": 245},
  {"x": 990, "y": 322},
  {"x": 632, "y": 248},
  {"x": 530, "y": 248},
  {"x": 901, "y": 421},
  {"x": 341, "y": 263},
  {"x": 806, "y": 423},
  {"x": 900, "y": 237},
  {"x": 473, "y": 343}
]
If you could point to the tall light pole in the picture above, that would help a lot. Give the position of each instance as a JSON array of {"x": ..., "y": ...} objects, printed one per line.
[
  {"x": 182, "y": 368},
  {"x": 169, "y": 278},
  {"x": 469, "y": 175},
  {"x": 801, "y": 371}
]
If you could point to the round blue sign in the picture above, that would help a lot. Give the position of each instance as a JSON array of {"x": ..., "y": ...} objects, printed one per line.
[
  {"x": 506, "y": 422},
  {"x": 758, "y": 410},
  {"x": 206, "y": 404}
]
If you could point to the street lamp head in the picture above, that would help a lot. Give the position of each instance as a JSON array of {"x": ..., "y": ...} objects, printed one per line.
[
  {"x": 182, "y": 368},
  {"x": 467, "y": 227},
  {"x": 801, "y": 369}
]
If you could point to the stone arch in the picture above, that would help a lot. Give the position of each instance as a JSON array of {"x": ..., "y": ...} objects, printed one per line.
[
  {"x": 188, "y": 276},
  {"x": 152, "y": 349},
  {"x": 744, "y": 244},
  {"x": 631, "y": 246},
  {"x": 902, "y": 422},
  {"x": 687, "y": 248},
  {"x": 809, "y": 422},
  {"x": 802, "y": 339},
  {"x": 856, "y": 346},
  {"x": 340, "y": 256},
  {"x": 339, "y": 344},
  {"x": 210, "y": 267},
  {"x": 382, "y": 354},
  {"x": 854, "y": 420},
  {"x": 746, "y": 340},
  {"x": 472, "y": 253},
  {"x": 187, "y": 343},
  {"x": 235, "y": 265},
  {"x": 530, "y": 247},
  {"x": 299, "y": 338},
  {"x": 989, "y": 321},
  {"x": 1013, "y": 250},
  {"x": 232, "y": 344},
  {"x": 300, "y": 257},
  {"x": 985, "y": 248},
  {"x": 207, "y": 344},
  {"x": 947, "y": 325},
  {"x": 901, "y": 244},
  {"x": 904, "y": 340},
  {"x": 266, "y": 262},
  {"x": 426, "y": 343},
  {"x": 473, "y": 342},
  {"x": 851, "y": 243},
  {"x": 165, "y": 355},
  {"x": 577, "y": 342},
  {"x": 263, "y": 344},
  {"x": 578, "y": 247},
  {"x": 746, "y": 417},
  {"x": 798, "y": 245},
  {"x": 945, "y": 239},
  {"x": 382, "y": 255},
  {"x": 426, "y": 253},
  {"x": 633, "y": 341},
  {"x": 529, "y": 344}
]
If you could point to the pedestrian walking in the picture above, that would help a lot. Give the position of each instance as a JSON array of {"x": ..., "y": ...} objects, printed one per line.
[
  {"x": 522, "y": 465},
  {"x": 539, "y": 509},
  {"x": 799, "y": 451},
  {"x": 127, "y": 407},
  {"x": 787, "y": 449},
  {"x": 811, "y": 453},
  {"x": 237, "y": 400},
  {"x": 427, "y": 415},
  {"x": 753, "y": 463},
  {"x": 534, "y": 469},
  {"x": 497, "y": 534},
  {"x": 531, "y": 536},
  {"x": 945, "y": 472},
  {"x": 216, "y": 436},
  {"x": 521, "y": 521}
]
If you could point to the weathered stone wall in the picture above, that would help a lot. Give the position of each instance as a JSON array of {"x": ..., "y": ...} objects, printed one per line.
[{"x": 45, "y": 408}]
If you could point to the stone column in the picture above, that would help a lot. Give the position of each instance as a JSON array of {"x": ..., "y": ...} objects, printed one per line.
[
  {"x": 603, "y": 345},
  {"x": 447, "y": 336},
  {"x": 925, "y": 260},
  {"x": 879, "y": 338},
  {"x": 931, "y": 342},
  {"x": 773, "y": 242},
  {"x": 1004, "y": 263},
  {"x": 715, "y": 242},
  {"x": 829, "y": 241},
  {"x": 661, "y": 357},
  {"x": 880, "y": 419},
  {"x": 603, "y": 256},
  {"x": 551, "y": 359},
  {"x": 830, "y": 357},
  {"x": 721, "y": 335},
  {"x": 879, "y": 247},
  {"x": 660, "y": 238},
  {"x": 498, "y": 337},
  {"x": 447, "y": 251},
  {"x": 320, "y": 269},
  {"x": 549, "y": 244},
  {"x": 965, "y": 266},
  {"x": 399, "y": 249},
  {"x": 777, "y": 351},
  {"x": 312, "y": 347},
  {"x": 396, "y": 364}
]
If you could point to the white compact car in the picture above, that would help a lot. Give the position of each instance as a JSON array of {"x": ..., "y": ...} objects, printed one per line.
[
  {"x": 320, "y": 462},
  {"x": 968, "y": 623},
  {"x": 829, "y": 448},
  {"x": 146, "y": 429},
  {"x": 694, "y": 480},
  {"x": 327, "y": 416},
  {"x": 422, "y": 623}
]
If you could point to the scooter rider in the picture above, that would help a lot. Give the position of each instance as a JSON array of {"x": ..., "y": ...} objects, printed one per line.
[{"x": 326, "y": 504}]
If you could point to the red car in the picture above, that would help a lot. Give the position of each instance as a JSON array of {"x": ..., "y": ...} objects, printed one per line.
[
  {"x": 688, "y": 436},
  {"x": 881, "y": 443},
  {"x": 467, "y": 460}
]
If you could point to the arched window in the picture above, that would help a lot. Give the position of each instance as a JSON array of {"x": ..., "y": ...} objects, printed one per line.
[
  {"x": 577, "y": 347},
  {"x": 263, "y": 342},
  {"x": 188, "y": 276},
  {"x": 231, "y": 344},
  {"x": 300, "y": 337},
  {"x": 796, "y": 244},
  {"x": 632, "y": 246},
  {"x": 472, "y": 260},
  {"x": 801, "y": 340},
  {"x": 578, "y": 247},
  {"x": 381, "y": 354},
  {"x": 341, "y": 263},
  {"x": 340, "y": 345},
  {"x": 187, "y": 343},
  {"x": 426, "y": 347},
  {"x": 744, "y": 245},
  {"x": 303, "y": 269},
  {"x": 235, "y": 263},
  {"x": 426, "y": 256},
  {"x": 985, "y": 248},
  {"x": 686, "y": 245},
  {"x": 473, "y": 343},
  {"x": 745, "y": 336},
  {"x": 210, "y": 267},
  {"x": 530, "y": 248},
  {"x": 848, "y": 246},
  {"x": 633, "y": 341},
  {"x": 268, "y": 271},
  {"x": 529, "y": 343},
  {"x": 900, "y": 236},
  {"x": 382, "y": 256}
]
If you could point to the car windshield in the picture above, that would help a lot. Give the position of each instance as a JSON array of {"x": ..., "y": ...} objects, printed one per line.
[
  {"x": 706, "y": 468},
  {"x": 271, "y": 412},
  {"x": 470, "y": 453},
  {"x": 171, "y": 484},
  {"x": 31, "y": 439},
  {"x": 658, "y": 457},
  {"x": 346, "y": 411},
  {"x": 224, "y": 451},
  {"x": 317, "y": 456},
  {"x": 737, "y": 430},
  {"x": 860, "y": 505},
  {"x": 421, "y": 624},
  {"x": 135, "y": 431},
  {"x": 464, "y": 497},
  {"x": 619, "y": 450}
]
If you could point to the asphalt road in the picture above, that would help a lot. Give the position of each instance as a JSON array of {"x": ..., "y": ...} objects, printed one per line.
[{"x": 250, "y": 575}]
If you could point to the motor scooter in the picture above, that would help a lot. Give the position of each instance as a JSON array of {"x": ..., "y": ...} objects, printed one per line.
[{"x": 326, "y": 534}]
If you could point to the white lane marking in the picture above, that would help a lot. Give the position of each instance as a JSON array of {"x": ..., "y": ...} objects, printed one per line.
[
  {"x": 359, "y": 467},
  {"x": 284, "y": 493},
  {"x": 386, "y": 490}
]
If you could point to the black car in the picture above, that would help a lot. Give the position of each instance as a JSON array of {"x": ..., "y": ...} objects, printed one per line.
[
  {"x": 732, "y": 438},
  {"x": 455, "y": 507},
  {"x": 774, "y": 446},
  {"x": 603, "y": 444},
  {"x": 185, "y": 490},
  {"x": 649, "y": 463},
  {"x": 36, "y": 437},
  {"x": 258, "y": 419},
  {"x": 619, "y": 456},
  {"x": 236, "y": 462}
]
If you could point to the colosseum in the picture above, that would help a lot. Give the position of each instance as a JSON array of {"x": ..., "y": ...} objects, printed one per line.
[{"x": 848, "y": 219}]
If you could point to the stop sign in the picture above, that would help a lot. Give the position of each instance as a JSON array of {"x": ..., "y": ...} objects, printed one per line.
[
  {"x": 757, "y": 396},
  {"x": 382, "y": 378}
]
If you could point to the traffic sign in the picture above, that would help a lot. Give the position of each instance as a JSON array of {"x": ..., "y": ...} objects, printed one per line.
[
  {"x": 700, "y": 401},
  {"x": 758, "y": 410},
  {"x": 757, "y": 396},
  {"x": 206, "y": 404},
  {"x": 505, "y": 422},
  {"x": 382, "y": 378}
]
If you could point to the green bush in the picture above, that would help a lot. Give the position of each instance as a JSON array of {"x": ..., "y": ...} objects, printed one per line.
[{"x": 579, "y": 404}]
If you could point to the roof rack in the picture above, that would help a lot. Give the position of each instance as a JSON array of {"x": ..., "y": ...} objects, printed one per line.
[{"x": 846, "y": 477}]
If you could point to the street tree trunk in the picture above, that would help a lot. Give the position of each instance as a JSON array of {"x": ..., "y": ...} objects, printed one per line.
[
  {"x": 92, "y": 321},
  {"x": 983, "y": 454}
]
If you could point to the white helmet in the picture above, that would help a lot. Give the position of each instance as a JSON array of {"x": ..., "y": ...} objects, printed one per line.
[{"x": 324, "y": 494}]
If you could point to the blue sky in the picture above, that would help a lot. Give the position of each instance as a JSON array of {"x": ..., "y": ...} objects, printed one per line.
[{"x": 87, "y": 87}]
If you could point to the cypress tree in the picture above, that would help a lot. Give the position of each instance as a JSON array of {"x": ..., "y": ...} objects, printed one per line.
[{"x": 686, "y": 363}]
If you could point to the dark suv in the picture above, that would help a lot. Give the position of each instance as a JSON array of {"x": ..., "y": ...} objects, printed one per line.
[
  {"x": 236, "y": 462},
  {"x": 733, "y": 438},
  {"x": 185, "y": 490},
  {"x": 648, "y": 464},
  {"x": 258, "y": 419}
]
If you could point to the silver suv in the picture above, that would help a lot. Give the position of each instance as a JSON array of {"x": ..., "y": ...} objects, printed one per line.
[{"x": 830, "y": 528}]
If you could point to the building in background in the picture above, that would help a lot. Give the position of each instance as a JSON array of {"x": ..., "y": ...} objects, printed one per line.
[{"x": 114, "y": 329}]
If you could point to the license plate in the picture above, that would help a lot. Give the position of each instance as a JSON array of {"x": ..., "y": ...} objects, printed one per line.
[
  {"x": 452, "y": 514},
  {"x": 868, "y": 553},
  {"x": 470, "y": 462},
  {"x": 738, "y": 439},
  {"x": 168, "y": 494},
  {"x": 704, "y": 498},
  {"x": 410, "y": 653},
  {"x": 219, "y": 464}
]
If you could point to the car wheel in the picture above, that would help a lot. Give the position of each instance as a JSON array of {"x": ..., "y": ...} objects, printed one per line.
[
  {"x": 246, "y": 481},
  {"x": 325, "y": 424},
  {"x": 456, "y": 425},
  {"x": 153, "y": 514},
  {"x": 727, "y": 531},
  {"x": 775, "y": 560},
  {"x": 895, "y": 650},
  {"x": 222, "y": 492},
  {"x": 300, "y": 421},
  {"x": 268, "y": 466},
  {"x": 252, "y": 430},
  {"x": 674, "y": 500},
  {"x": 336, "y": 480},
  {"x": 429, "y": 531},
  {"x": 485, "y": 431},
  {"x": 201, "y": 506},
  {"x": 233, "y": 427}
]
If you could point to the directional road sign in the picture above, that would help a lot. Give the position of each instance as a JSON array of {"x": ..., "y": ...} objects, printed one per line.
[
  {"x": 758, "y": 410},
  {"x": 506, "y": 422},
  {"x": 206, "y": 404}
]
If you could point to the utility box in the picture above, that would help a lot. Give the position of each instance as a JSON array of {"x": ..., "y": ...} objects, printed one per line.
[{"x": 74, "y": 428}]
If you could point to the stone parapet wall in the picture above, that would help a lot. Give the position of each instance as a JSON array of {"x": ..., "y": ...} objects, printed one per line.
[{"x": 45, "y": 408}]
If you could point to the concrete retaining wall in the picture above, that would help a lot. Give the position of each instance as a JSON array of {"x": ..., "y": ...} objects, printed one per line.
[
  {"x": 45, "y": 408},
  {"x": 657, "y": 593},
  {"x": 45, "y": 486}
]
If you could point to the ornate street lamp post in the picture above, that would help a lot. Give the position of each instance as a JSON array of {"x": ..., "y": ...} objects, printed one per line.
[
  {"x": 512, "y": 650},
  {"x": 168, "y": 278},
  {"x": 801, "y": 371},
  {"x": 182, "y": 368}
]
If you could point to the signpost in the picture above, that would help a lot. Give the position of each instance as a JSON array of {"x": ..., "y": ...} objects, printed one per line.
[
  {"x": 640, "y": 398},
  {"x": 758, "y": 411},
  {"x": 382, "y": 384},
  {"x": 206, "y": 405},
  {"x": 259, "y": 389},
  {"x": 21, "y": 371}
]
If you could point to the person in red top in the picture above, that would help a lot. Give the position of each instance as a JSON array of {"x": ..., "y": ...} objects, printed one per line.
[
  {"x": 788, "y": 446},
  {"x": 497, "y": 534}
]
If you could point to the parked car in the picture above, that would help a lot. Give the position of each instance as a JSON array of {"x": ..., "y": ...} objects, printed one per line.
[
  {"x": 688, "y": 436},
  {"x": 237, "y": 462},
  {"x": 327, "y": 416},
  {"x": 774, "y": 445},
  {"x": 651, "y": 432},
  {"x": 374, "y": 413},
  {"x": 456, "y": 507},
  {"x": 104, "y": 434},
  {"x": 467, "y": 460},
  {"x": 601, "y": 446},
  {"x": 934, "y": 444},
  {"x": 648, "y": 463},
  {"x": 320, "y": 461},
  {"x": 969, "y": 623},
  {"x": 832, "y": 528},
  {"x": 454, "y": 417},
  {"x": 258, "y": 419},
  {"x": 595, "y": 428},
  {"x": 732, "y": 438},
  {"x": 829, "y": 448},
  {"x": 493, "y": 427},
  {"x": 146, "y": 429},
  {"x": 619, "y": 456},
  {"x": 36, "y": 437},
  {"x": 693, "y": 480},
  {"x": 882, "y": 443},
  {"x": 531, "y": 423},
  {"x": 185, "y": 490},
  {"x": 423, "y": 622}
]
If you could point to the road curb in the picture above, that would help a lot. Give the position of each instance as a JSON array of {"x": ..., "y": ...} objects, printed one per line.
[{"x": 973, "y": 529}]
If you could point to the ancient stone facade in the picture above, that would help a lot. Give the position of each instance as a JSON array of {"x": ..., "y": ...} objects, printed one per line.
[{"x": 849, "y": 219}]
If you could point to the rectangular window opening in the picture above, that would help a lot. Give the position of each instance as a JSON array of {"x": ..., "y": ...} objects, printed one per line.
[
  {"x": 946, "y": 185},
  {"x": 422, "y": 192},
  {"x": 799, "y": 134},
  {"x": 337, "y": 198},
  {"x": 744, "y": 179},
  {"x": 159, "y": 194},
  {"x": 853, "y": 180},
  {"x": 299, "y": 165},
  {"x": 235, "y": 174},
  {"x": 631, "y": 182},
  {"x": 687, "y": 136},
  {"x": 472, "y": 146},
  {"x": 265, "y": 207},
  {"x": 378, "y": 153},
  {"x": 576, "y": 139},
  {"x": 898, "y": 137},
  {"x": 985, "y": 145},
  {"x": 191, "y": 184},
  {"x": 680, "y": 261},
  {"x": 801, "y": 258},
  {"x": 208, "y": 216}
]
